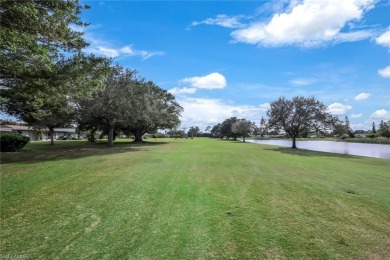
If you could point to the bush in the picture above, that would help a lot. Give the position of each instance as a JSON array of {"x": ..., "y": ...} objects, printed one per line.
[
  {"x": 12, "y": 142},
  {"x": 158, "y": 135},
  {"x": 372, "y": 135},
  {"x": 91, "y": 136}
]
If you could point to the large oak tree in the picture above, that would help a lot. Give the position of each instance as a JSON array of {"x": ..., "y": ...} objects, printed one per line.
[
  {"x": 153, "y": 108},
  {"x": 298, "y": 115},
  {"x": 129, "y": 103},
  {"x": 243, "y": 127},
  {"x": 111, "y": 107}
]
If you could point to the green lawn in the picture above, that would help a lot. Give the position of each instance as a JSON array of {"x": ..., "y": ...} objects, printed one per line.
[{"x": 192, "y": 199}]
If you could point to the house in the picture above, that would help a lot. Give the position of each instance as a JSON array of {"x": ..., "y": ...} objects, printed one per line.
[
  {"x": 62, "y": 133},
  {"x": 36, "y": 134},
  {"x": 21, "y": 129},
  {"x": 4, "y": 128}
]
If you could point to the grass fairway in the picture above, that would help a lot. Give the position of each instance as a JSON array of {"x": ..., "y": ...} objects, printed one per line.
[{"x": 192, "y": 199}]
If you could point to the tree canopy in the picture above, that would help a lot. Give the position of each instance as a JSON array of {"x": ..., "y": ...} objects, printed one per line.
[
  {"x": 46, "y": 79},
  {"x": 110, "y": 107},
  {"x": 128, "y": 102},
  {"x": 226, "y": 128},
  {"x": 153, "y": 108},
  {"x": 243, "y": 128},
  {"x": 298, "y": 115},
  {"x": 42, "y": 66},
  {"x": 35, "y": 36},
  {"x": 194, "y": 131}
]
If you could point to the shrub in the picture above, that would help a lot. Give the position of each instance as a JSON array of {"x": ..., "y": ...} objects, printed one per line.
[
  {"x": 158, "y": 135},
  {"x": 91, "y": 137},
  {"x": 12, "y": 142},
  {"x": 372, "y": 135}
]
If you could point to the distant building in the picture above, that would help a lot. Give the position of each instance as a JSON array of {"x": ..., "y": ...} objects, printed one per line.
[{"x": 36, "y": 134}]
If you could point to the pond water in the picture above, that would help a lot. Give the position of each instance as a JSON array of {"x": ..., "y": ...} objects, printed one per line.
[{"x": 368, "y": 150}]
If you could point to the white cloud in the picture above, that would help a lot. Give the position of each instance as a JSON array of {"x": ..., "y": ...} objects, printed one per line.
[
  {"x": 380, "y": 114},
  {"x": 148, "y": 54},
  {"x": 176, "y": 91},
  {"x": 103, "y": 48},
  {"x": 203, "y": 112},
  {"x": 353, "y": 36},
  {"x": 362, "y": 96},
  {"x": 338, "y": 108},
  {"x": 385, "y": 72},
  {"x": 384, "y": 39},
  {"x": 220, "y": 20},
  {"x": 356, "y": 115},
  {"x": 103, "y": 51},
  {"x": 210, "y": 81},
  {"x": 302, "y": 81},
  {"x": 309, "y": 23},
  {"x": 128, "y": 50}
]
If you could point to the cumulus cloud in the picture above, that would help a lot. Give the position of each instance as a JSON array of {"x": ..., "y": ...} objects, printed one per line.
[
  {"x": 338, "y": 109},
  {"x": 178, "y": 91},
  {"x": 384, "y": 39},
  {"x": 203, "y": 112},
  {"x": 385, "y": 72},
  {"x": 380, "y": 114},
  {"x": 214, "y": 80},
  {"x": 220, "y": 20},
  {"x": 356, "y": 115},
  {"x": 309, "y": 23},
  {"x": 102, "y": 48},
  {"x": 362, "y": 96}
]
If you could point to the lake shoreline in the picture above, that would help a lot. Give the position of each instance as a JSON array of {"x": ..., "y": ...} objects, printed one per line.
[{"x": 350, "y": 148}]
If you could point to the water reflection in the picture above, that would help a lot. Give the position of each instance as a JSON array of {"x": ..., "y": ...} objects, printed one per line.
[{"x": 368, "y": 150}]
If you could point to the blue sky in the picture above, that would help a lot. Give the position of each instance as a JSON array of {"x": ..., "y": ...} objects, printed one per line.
[{"x": 232, "y": 58}]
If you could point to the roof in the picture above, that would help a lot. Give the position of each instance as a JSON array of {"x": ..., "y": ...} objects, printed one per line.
[
  {"x": 5, "y": 128},
  {"x": 20, "y": 127},
  {"x": 68, "y": 130},
  {"x": 9, "y": 128}
]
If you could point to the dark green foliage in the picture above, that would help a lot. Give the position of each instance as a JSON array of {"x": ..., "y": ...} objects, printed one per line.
[
  {"x": 226, "y": 128},
  {"x": 106, "y": 109},
  {"x": 372, "y": 135},
  {"x": 12, "y": 142},
  {"x": 42, "y": 68},
  {"x": 193, "y": 132},
  {"x": 158, "y": 135},
  {"x": 152, "y": 108},
  {"x": 242, "y": 127},
  {"x": 298, "y": 115},
  {"x": 35, "y": 35},
  {"x": 91, "y": 136},
  {"x": 216, "y": 131},
  {"x": 384, "y": 129}
]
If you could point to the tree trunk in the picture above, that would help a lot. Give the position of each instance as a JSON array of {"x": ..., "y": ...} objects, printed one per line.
[
  {"x": 243, "y": 139},
  {"x": 138, "y": 136},
  {"x": 294, "y": 142},
  {"x": 51, "y": 133},
  {"x": 110, "y": 136}
]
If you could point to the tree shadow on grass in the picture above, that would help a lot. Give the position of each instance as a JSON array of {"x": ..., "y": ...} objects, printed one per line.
[
  {"x": 307, "y": 153},
  {"x": 35, "y": 153}
]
